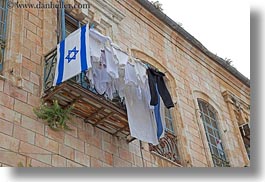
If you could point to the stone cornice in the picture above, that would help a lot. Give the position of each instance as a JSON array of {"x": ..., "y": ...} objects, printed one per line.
[{"x": 107, "y": 9}]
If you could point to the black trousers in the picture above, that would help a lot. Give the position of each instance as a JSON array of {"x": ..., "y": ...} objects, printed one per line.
[{"x": 156, "y": 78}]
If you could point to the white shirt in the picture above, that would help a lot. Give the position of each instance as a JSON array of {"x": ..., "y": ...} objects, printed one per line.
[
  {"x": 130, "y": 74},
  {"x": 112, "y": 66},
  {"x": 140, "y": 117},
  {"x": 141, "y": 74},
  {"x": 100, "y": 76},
  {"x": 121, "y": 57},
  {"x": 97, "y": 42}
]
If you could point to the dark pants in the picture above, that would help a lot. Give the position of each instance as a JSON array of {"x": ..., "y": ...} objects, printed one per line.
[{"x": 156, "y": 78}]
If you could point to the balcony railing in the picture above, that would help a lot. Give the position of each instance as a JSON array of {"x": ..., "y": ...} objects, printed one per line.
[
  {"x": 167, "y": 148},
  {"x": 108, "y": 115},
  {"x": 219, "y": 162}
]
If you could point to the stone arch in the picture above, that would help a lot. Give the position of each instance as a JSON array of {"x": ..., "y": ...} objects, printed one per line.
[{"x": 201, "y": 95}]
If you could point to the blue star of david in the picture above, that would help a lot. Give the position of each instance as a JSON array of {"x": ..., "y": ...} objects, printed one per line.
[{"x": 72, "y": 55}]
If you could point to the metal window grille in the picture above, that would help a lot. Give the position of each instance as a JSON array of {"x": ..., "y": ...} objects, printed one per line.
[{"x": 209, "y": 118}]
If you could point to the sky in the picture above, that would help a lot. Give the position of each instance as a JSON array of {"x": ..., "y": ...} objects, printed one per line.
[{"x": 222, "y": 26}]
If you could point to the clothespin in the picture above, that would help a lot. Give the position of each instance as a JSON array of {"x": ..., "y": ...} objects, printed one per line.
[
  {"x": 129, "y": 52},
  {"x": 131, "y": 59}
]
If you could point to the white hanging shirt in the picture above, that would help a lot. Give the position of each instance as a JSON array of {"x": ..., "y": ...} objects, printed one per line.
[
  {"x": 130, "y": 74},
  {"x": 119, "y": 55},
  {"x": 97, "y": 42},
  {"x": 141, "y": 72},
  {"x": 110, "y": 90},
  {"x": 100, "y": 76},
  {"x": 95, "y": 47},
  {"x": 112, "y": 66},
  {"x": 140, "y": 117}
]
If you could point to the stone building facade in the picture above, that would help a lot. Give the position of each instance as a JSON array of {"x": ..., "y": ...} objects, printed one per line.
[{"x": 212, "y": 99}]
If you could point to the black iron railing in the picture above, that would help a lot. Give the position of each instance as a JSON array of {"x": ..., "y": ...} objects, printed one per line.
[
  {"x": 81, "y": 79},
  {"x": 167, "y": 147},
  {"x": 49, "y": 69},
  {"x": 219, "y": 162}
]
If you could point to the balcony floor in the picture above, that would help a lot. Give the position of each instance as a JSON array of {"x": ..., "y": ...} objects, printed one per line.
[{"x": 93, "y": 108}]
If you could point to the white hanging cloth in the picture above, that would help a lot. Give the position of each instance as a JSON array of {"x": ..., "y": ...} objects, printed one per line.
[
  {"x": 114, "y": 70},
  {"x": 140, "y": 116}
]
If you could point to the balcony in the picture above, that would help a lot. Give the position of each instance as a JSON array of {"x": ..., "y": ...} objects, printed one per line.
[
  {"x": 167, "y": 148},
  {"x": 220, "y": 162},
  {"x": 107, "y": 115}
]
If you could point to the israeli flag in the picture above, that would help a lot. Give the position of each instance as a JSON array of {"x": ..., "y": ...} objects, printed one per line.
[{"x": 73, "y": 55}]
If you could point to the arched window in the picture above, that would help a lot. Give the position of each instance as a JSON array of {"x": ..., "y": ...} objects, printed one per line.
[{"x": 209, "y": 118}]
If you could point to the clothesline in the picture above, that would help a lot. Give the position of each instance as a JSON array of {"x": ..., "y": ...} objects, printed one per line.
[{"x": 147, "y": 65}]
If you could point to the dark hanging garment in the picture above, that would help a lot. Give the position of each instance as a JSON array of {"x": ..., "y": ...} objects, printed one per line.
[{"x": 155, "y": 77}]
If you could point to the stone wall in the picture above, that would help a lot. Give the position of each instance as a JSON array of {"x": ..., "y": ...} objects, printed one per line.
[{"x": 191, "y": 74}]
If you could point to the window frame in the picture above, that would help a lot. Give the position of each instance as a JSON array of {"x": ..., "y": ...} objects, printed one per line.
[
  {"x": 243, "y": 130},
  {"x": 69, "y": 20},
  {"x": 3, "y": 22},
  {"x": 169, "y": 118},
  {"x": 212, "y": 132}
]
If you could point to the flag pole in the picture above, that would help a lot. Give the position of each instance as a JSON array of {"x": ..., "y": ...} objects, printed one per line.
[{"x": 62, "y": 20}]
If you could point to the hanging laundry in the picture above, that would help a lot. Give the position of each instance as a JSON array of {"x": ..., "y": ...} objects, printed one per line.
[
  {"x": 101, "y": 78},
  {"x": 112, "y": 66},
  {"x": 140, "y": 117},
  {"x": 163, "y": 117},
  {"x": 140, "y": 69},
  {"x": 114, "y": 71},
  {"x": 130, "y": 74},
  {"x": 97, "y": 42},
  {"x": 120, "y": 56},
  {"x": 158, "y": 119},
  {"x": 158, "y": 111},
  {"x": 155, "y": 79},
  {"x": 110, "y": 90}
]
